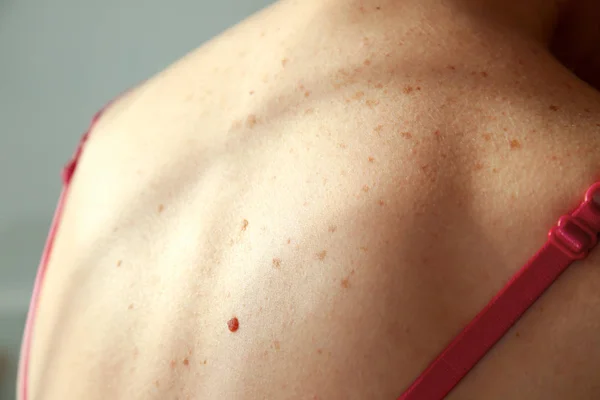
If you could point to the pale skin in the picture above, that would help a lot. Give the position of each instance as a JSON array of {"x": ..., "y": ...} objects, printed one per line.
[{"x": 353, "y": 181}]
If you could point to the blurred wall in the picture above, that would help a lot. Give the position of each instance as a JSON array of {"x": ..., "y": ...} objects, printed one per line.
[{"x": 61, "y": 61}]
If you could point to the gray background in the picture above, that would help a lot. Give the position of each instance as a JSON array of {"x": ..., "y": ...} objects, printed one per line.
[{"x": 60, "y": 62}]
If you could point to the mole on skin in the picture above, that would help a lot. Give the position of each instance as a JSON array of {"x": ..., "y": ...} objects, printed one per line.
[{"x": 233, "y": 324}]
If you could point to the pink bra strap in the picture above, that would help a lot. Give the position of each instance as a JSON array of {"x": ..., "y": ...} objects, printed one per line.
[
  {"x": 570, "y": 240},
  {"x": 67, "y": 174}
]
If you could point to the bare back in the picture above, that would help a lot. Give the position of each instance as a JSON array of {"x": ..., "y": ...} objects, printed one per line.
[{"x": 352, "y": 185}]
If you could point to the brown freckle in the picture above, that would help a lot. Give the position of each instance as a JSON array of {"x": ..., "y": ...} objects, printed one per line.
[
  {"x": 345, "y": 283},
  {"x": 587, "y": 110},
  {"x": 186, "y": 362},
  {"x": 251, "y": 121},
  {"x": 378, "y": 128},
  {"x": 276, "y": 344},
  {"x": 365, "y": 188},
  {"x": 371, "y": 103},
  {"x": 277, "y": 263},
  {"x": 515, "y": 144},
  {"x": 332, "y": 228},
  {"x": 119, "y": 263},
  {"x": 378, "y": 8},
  {"x": 478, "y": 166},
  {"x": 161, "y": 208},
  {"x": 130, "y": 307},
  {"x": 244, "y": 224},
  {"x": 364, "y": 249},
  {"x": 289, "y": 241},
  {"x": 484, "y": 74},
  {"x": 322, "y": 254},
  {"x": 358, "y": 95},
  {"x": 495, "y": 170},
  {"x": 320, "y": 351},
  {"x": 371, "y": 159},
  {"x": 518, "y": 334},
  {"x": 284, "y": 62},
  {"x": 406, "y": 135},
  {"x": 381, "y": 203},
  {"x": 487, "y": 137},
  {"x": 307, "y": 93},
  {"x": 251, "y": 92},
  {"x": 233, "y": 324},
  {"x": 407, "y": 89},
  {"x": 554, "y": 108},
  {"x": 505, "y": 129},
  {"x": 418, "y": 88},
  {"x": 452, "y": 67},
  {"x": 367, "y": 62},
  {"x": 157, "y": 383},
  {"x": 554, "y": 158}
]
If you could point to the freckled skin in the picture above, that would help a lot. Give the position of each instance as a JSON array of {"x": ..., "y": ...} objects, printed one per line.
[{"x": 440, "y": 113}]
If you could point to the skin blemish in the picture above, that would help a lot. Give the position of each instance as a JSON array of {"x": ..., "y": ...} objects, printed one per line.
[
  {"x": 371, "y": 159},
  {"x": 342, "y": 145},
  {"x": 418, "y": 88},
  {"x": 381, "y": 203},
  {"x": 587, "y": 110},
  {"x": 406, "y": 135},
  {"x": 251, "y": 92},
  {"x": 309, "y": 111},
  {"x": 407, "y": 89},
  {"x": 495, "y": 170},
  {"x": 332, "y": 228},
  {"x": 204, "y": 362},
  {"x": 487, "y": 137},
  {"x": 119, "y": 263},
  {"x": 478, "y": 166},
  {"x": 276, "y": 345},
  {"x": 277, "y": 263},
  {"x": 365, "y": 188},
  {"x": 289, "y": 241},
  {"x": 378, "y": 128},
  {"x": 251, "y": 121},
  {"x": 371, "y": 103},
  {"x": 284, "y": 62},
  {"x": 130, "y": 307},
  {"x": 378, "y": 8},
  {"x": 186, "y": 362},
  {"x": 379, "y": 86},
  {"x": 367, "y": 62},
  {"x": 484, "y": 74},
  {"x": 322, "y": 254},
  {"x": 244, "y": 224},
  {"x": 358, "y": 95},
  {"x": 345, "y": 283},
  {"x": 173, "y": 364},
  {"x": 518, "y": 334},
  {"x": 320, "y": 351},
  {"x": 233, "y": 324},
  {"x": 515, "y": 144},
  {"x": 161, "y": 208},
  {"x": 554, "y": 108},
  {"x": 364, "y": 249},
  {"x": 157, "y": 384},
  {"x": 451, "y": 67},
  {"x": 307, "y": 93}
]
